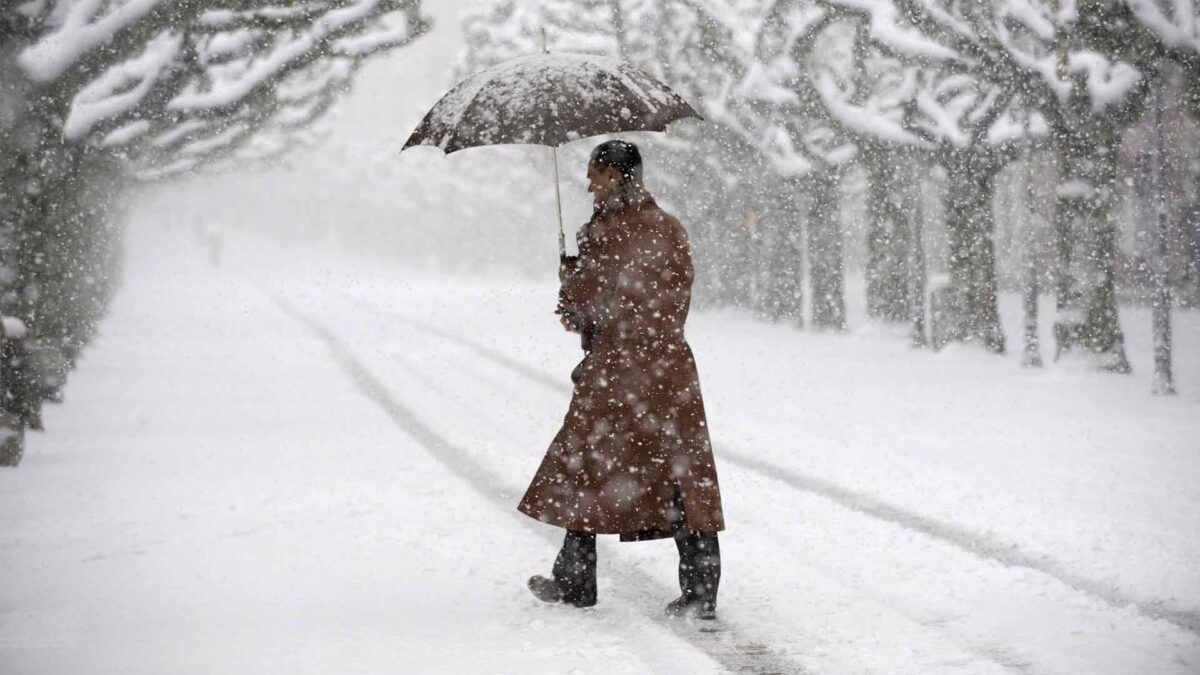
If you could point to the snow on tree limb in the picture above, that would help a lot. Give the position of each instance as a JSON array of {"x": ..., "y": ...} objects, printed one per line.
[
  {"x": 865, "y": 120},
  {"x": 126, "y": 134},
  {"x": 772, "y": 140},
  {"x": 121, "y": 87},
  {"x": 77, "y": 31},
  {"x": 887, "y": 29},
  {"x": 1108, "y": 81},
  {"x": 1178, "y": 31},
  {"x": 374, "y": 41},
  {"x": 152, "y": 80},
  {"x": 285, "y": 53}
]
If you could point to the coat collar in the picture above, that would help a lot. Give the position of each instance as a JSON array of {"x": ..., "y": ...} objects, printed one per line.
[{"x": 639, "y": 198}]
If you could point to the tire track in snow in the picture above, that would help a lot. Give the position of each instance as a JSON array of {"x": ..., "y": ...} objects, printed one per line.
[
  {"x": 999, "y": 656},
  {"x": 1006, "y": 553},
  {"x": 728, "y": 646}
]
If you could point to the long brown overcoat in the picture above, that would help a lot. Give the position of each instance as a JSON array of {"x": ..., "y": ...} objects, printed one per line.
[{"x": 635, "y": 435}]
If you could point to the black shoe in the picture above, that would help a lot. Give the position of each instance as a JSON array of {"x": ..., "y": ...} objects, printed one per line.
[
  {"x": 698, "y": 607},
  {"x": 548, "y": 590},
  {"x": 544, "y": 589}
]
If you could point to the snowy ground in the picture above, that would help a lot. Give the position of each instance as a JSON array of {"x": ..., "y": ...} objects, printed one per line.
[{"x": 311, "y": 466}]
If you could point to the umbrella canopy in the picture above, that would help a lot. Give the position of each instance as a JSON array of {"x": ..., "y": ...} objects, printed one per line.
[{"x": 549, "y": 99}]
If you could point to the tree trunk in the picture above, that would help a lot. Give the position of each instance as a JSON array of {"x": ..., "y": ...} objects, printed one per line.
[
  {"x": 969, "y": 226},
  {"x": 24, "y": 193},
  {"x": 56, "y": 246},
  {"x": 783, "y": 299},
  {"x": 917, "y": 279},
  {"x": 887, "y": 235},
  {"x": 826, "y": 268},
  {"x": 1191, "y": 247},
  {"x": 1086, "y": 242},
  {"x": 1031, "y": 356},
  {"x": 1160, "y": 305}
]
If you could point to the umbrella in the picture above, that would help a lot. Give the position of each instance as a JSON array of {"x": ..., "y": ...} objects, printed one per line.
[{"x": 549, "y": 99}]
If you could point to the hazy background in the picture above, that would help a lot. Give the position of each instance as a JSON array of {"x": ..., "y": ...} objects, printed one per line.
[{"x": 355, "y": 193}]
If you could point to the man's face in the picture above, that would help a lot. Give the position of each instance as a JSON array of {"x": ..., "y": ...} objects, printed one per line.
[{"x": 602, "y": 183}]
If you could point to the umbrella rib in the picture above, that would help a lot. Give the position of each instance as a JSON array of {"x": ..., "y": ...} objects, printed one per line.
[{"x": 463, "y": 113}]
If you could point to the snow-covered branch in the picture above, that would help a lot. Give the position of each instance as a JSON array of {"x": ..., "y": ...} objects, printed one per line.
[
  {"x": 74, "y": 29},
  {"x": 154, "y": 78}
]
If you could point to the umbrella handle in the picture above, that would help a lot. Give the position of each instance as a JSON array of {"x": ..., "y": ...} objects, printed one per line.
[{"x": 562, "y": 239}]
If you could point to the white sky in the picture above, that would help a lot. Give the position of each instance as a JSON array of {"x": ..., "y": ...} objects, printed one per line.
[
  {"x": 393, "y": 91},
  {"x": 354, "y": 191},
  {"x": 390, "y": 95}
]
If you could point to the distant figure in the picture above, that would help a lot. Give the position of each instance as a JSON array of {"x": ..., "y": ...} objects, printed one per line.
[
  {"x": 214, "y": 248},
  {"x": 210, "y": 237},
  {"x": 633, "y": 455}
]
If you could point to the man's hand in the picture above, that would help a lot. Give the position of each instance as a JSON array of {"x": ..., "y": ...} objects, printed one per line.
[{"x": 567, "y": 265}]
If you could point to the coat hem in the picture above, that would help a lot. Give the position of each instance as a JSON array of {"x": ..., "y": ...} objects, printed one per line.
[{"x": 646, "y": 534}]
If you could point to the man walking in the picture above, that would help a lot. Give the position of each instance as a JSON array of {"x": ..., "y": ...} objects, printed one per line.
[{"x": 633, "y": 455}]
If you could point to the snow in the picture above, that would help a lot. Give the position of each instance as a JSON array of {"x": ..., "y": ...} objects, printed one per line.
[
  {"x": 368, "y": 42},
  {"x": 12, "y": 327},
  {"x": 1107, "y": 81},
  {"x": 783, "y": 154},
  {"x": 947, "y": 20},
  {"x": 741, "y": 22},
  {"x": 773, "y": 140},
  {"x": 758, "y": 85},
  {"x": 1034, "y": 17},
  {"x": 220, "y": 139},
  {"x": 217, "y": 17},
  {"x": 298, "y": 464},
  {"x": 121, "y": 87},
  {"x": 1068, "y": 11},
  {"x": 943, "y": 118},
  {"x": 179, "y": 132},
  {"x": 227, "y": 91},
  {"x": 307, "y": 83},
  {"x": 859, "y": 119},
  {"x": 1007, "y": 128},
  {"x": 222, "y": 17},
  {"x": 32, "y": 8},
  {"x": 1075, "y": 188},
  {"x": 77, "y": 34},
  {"x": 904, "y": 39},
  {"x": 125, "y": 133},
  {"x": 485, "y": 106},
  {"x": 229, "y": 42},
  {"x": 299, "y": 114},
  {"x": 1179, "y": 33}
]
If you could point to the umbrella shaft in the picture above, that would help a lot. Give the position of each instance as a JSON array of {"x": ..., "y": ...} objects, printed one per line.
[{"x": 562, "y": 239}]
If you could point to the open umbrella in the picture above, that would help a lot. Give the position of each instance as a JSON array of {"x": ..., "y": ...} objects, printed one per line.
[{"x": 549, "y": 99}]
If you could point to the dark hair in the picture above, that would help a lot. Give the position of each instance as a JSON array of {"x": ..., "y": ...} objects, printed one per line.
[{"x": 622, "y": 155}]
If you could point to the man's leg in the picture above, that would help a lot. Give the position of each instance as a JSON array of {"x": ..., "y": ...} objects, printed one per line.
[
  {"x": 687, "y": 565},
  {"x": 707, "y": 565},
  {"x": 699, "y": 567},
  {"x": 574, "y": 579},
  {"x": 575, "y": 568}
]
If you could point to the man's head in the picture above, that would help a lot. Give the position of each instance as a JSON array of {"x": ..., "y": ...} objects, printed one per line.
[{"x": 614, "y": 171}]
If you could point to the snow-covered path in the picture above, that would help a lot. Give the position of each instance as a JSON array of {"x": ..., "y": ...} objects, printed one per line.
[{"x": 310, "y": 466}]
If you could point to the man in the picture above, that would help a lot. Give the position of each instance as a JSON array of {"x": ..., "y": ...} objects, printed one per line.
[{"x": 633, "y": 455}]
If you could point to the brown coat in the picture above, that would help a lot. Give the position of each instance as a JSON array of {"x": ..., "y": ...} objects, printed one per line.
[{"x": 635, "y": 430}]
